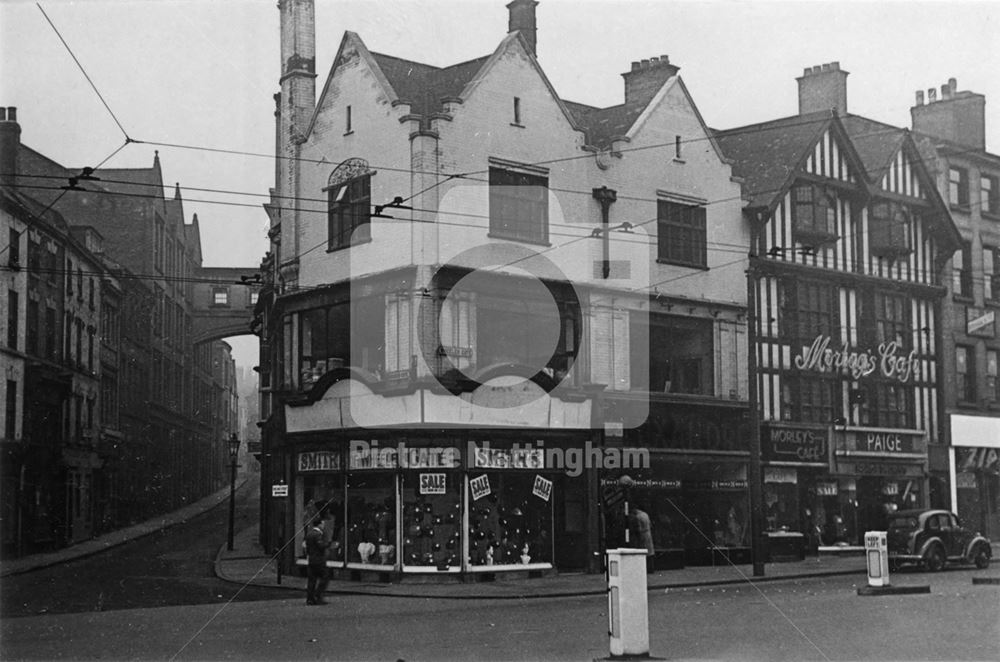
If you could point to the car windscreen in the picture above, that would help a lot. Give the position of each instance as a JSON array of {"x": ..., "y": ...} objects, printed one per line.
[{"x": 902, "y": 523}]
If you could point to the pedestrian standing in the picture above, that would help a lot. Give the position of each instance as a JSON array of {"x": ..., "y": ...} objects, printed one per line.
[
  {"x": 316, "y": 571},
  {"x": 643, "y": 530}
]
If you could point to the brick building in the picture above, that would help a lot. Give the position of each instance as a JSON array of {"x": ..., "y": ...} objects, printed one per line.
[{"x": 484, "y": 277}]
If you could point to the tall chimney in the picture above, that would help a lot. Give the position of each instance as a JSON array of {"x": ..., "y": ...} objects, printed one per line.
[
  {"x": 10, "y": 144},
  {"x": 521, "y": 18},
  {"x": 646, "y": 78},
  {"x": 959, "y": 117},
  {"x": 823, "y": 87}
]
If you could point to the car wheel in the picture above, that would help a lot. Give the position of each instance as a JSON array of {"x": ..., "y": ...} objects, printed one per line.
[
  {"x": 982, "y": 557},
  {"x": 934, "y": 559}
]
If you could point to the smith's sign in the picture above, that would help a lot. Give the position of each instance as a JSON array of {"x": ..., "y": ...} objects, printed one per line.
[{"x": 821, "y": 358}]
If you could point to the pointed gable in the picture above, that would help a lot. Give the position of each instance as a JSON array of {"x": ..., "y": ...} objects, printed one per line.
[{"x": 769, "y": 155}]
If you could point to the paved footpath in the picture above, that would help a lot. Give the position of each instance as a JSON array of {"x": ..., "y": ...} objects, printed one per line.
[{"x": 248, "y": 564}]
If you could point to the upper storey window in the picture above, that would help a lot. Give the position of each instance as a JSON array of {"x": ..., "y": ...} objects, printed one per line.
[
  {"x": 349, "y": 196},
  {"x": 958, "y": 187},
  {"x": 989, "y": 195},
  {"x": 681, "y": 234},
  {"x": 519, "y": 205},
  {"x": 889, "y": 227},
  {"x": 814, "y": 214}
]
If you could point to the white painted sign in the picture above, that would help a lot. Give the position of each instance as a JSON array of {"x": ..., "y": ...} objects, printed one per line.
[
  {"x": 542, "y": 488},
  {"x": 279, "y": 490},
  {"x": 432, "y": 483},
  {"x": 819, "y": 357}
]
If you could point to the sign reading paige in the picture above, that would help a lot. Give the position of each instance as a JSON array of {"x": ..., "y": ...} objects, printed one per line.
[{"x": 821, "y": 358}]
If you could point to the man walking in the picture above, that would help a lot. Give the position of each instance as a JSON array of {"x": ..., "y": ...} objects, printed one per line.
[{"x": 316, "y": 545}]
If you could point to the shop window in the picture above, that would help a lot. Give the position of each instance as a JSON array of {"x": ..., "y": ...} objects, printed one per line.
[
  {"x": 340, "y": 335},
  {"x": 889, "y": 227},
  {"x": 807, "y": 309},
  {"x": 672, "y": 354},
  {"x": 814, "y": 215},
  {"x": 989, "y": 194},
  {"x": 992, "y": 383},
  {"x": 349, "y": 212},
  {"x": 958, "y": 187},
  {"x": 888, "y": 404},
  {"x": 323, "y": 492},
  {"x": 371, "y": 519},
  {"x": 519, "y": 205},
  {"x": 681, "y": 234},
  {"x": 432, "y": 520},
  {"x": 965, "y": 378},
  {"x": 509, "y": 524}
]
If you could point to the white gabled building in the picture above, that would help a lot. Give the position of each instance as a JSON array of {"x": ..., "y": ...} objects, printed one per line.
[{"x": 470, "y": 281}]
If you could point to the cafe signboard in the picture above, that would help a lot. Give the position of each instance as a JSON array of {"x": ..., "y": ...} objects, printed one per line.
[
  {"x": 794, "y": 445},
  {"x": 889, "y": 359}
]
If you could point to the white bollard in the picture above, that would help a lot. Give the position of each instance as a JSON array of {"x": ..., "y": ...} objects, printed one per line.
[
  {"x": 628, "y": 610},
  {"x": 877, "y": 553}
]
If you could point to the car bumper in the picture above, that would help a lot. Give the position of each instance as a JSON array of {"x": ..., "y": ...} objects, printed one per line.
[{"x": 905, "y": 557}]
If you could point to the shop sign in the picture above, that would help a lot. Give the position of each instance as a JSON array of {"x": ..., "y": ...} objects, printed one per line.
[
  {"x": 881, "y": 469},
  {"x": 826, "y": 489},
  {"x": 279, "y": 490},
  {"x": 887, "y": 359},
  {"x": 644, "y": 483},
  {"x": 979, "y": 322},
  {"x": 365, "y": 455},
  {"x": 780, "y": 475},
  {"x": 687, "y": 426},
  {"x": 985, "y": 459},
  {"x": 716, "y": 484},
  {"x": 480, "y": 487},
  {"x": 965, "y": 481},
  {"x": 314, "y": 461},
  {"x": 788, "y": 444},
  {"x": 508, "y": 458},
  {"x": 886, "y": 442},
  {"x": 542, "y": 488},
  {"x": 432, "y": 484}
]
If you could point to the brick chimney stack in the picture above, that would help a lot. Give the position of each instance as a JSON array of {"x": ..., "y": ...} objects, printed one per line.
[
  {"x": 646, "y": 78},
  {"x": 823, "y": 87},
  {"x": 10, "y": 143},
  {"x": 959, "y": 117},
  {"x": 521, "y": 18}
]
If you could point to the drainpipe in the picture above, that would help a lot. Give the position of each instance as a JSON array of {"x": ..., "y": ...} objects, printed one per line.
[{"x": 605, "y": 196}]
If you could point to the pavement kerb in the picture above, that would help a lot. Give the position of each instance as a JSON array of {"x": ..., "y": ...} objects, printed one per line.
[
  {"x": 103, "y": 543},
  {"x": 339, "y": 590}
]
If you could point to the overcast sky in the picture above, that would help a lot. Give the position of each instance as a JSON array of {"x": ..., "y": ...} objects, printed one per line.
[{"x": 203, "y": 73}]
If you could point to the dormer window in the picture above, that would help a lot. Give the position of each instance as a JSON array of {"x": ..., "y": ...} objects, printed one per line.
[
  {"x": 814, "y": 215},
  {"x": 889, "y": 226}
]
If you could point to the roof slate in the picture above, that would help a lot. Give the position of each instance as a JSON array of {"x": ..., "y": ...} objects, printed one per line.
[{"x": 423, "y": 85}]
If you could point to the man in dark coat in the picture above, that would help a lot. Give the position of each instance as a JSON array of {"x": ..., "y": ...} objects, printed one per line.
[{"x": 316, "y": 573}]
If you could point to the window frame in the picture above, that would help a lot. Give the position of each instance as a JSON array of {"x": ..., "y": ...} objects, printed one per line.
[
  {"x": 819, "y": 225},
  {"x": 532, "y": 226},
  {"x": 224, "y": 291},
  {"x": 888, "y": 235},
  {"x": 965, "y": 375},
  {"x": 681, "y": 234},
  {"x": 992, "y": 392},
  {"x": 349, "y": 212},
  {"x": 961, "y": 281},
  {"x": 958, "y": 187},
  {"x": 989, "y": 195}
]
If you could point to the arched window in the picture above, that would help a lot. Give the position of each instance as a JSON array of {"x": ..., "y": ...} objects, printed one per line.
[{"x": 349, "y": 204}]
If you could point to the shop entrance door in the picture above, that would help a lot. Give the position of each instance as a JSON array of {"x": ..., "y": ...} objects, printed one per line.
[{"x": 571, "y": 523}]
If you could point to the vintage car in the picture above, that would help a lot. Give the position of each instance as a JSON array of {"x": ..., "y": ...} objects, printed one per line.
[{"x": 933, "y": 538}]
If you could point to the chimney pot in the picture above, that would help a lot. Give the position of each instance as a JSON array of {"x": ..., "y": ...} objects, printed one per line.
[
  {"x": 835, "y": 66},
  {"x": 945, "y": 92},
  {"x": 826, "y": 67},
  {"x": 931, "y": 95},
  {"x": 635, "y": 66},
  {"x": 665, "y": 59},
  {"x": 953, "y": 84},
  {"x": 807, "y": 71},
  {"x": 645, "y": 64},
  {"x": 12, "y": 113},
  {"x": 920, "y": 97},
  {"x": 653, "y": 60}
]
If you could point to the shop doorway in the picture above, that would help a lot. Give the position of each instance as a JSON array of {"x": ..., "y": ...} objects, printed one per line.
[{"x": 571, "y": 523}]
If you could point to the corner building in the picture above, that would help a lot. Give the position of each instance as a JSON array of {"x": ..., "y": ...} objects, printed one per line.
[
  {"x": 850, "y": 238},
  {"x": 474, "y": 289}
]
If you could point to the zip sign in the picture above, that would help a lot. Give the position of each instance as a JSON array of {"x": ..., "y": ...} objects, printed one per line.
[{"x": 279, "y": 490}]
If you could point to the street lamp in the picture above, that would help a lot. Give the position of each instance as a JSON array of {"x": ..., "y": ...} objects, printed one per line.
[{"x": 234, "y": 450}]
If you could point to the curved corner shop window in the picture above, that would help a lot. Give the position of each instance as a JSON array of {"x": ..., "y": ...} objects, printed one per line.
[
  {"x": 508, "y": 523},
  {"x": 371, "y": 519},
  {"x": 319, "y": 491},
  {"x": 432, "y": 519}
]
